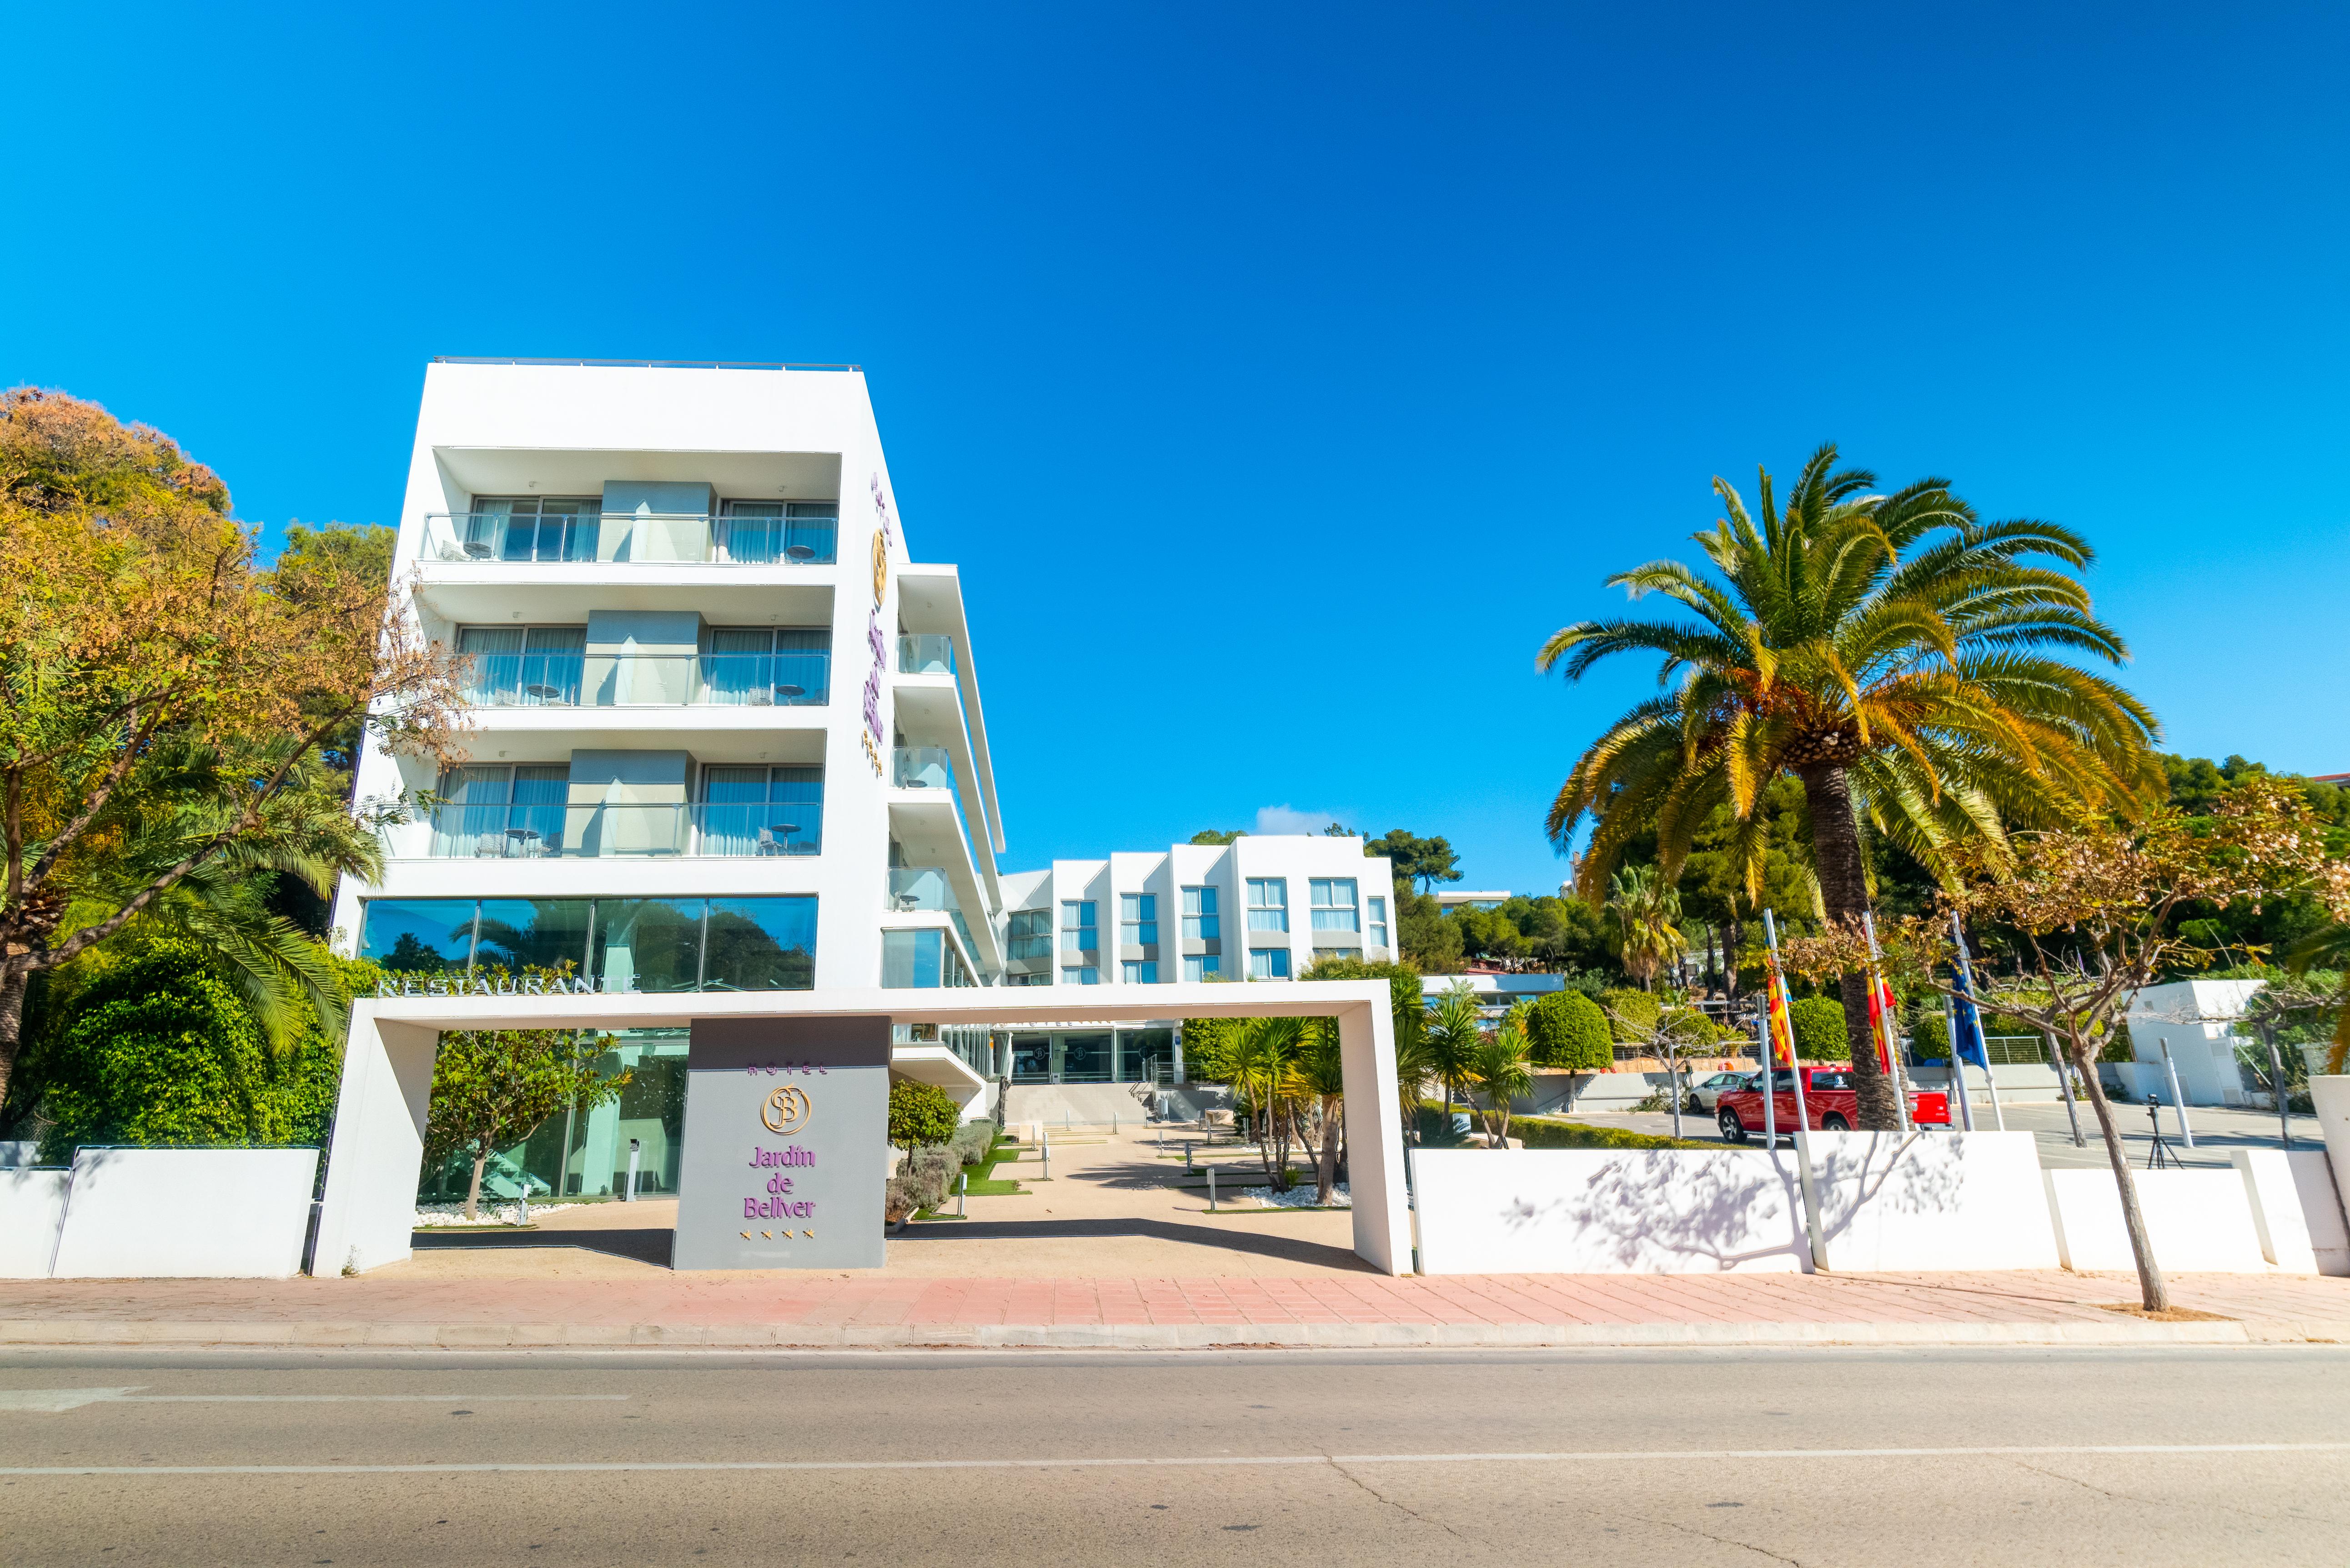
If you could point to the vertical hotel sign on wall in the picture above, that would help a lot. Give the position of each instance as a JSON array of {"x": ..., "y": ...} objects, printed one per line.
[{"x": 876, "y": 642}]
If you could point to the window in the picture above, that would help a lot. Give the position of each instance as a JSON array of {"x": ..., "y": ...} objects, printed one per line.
[
  {"x": 1038, "y": 979},
  {"x": 760, "y": 533},
  {"x": 768, "y": 667},
  {"x": 618, "y": 944},
  {"x": 501, "y": 812},
  {"x": 418, "y": 936},
  {"x": 1202, "y": 966},
  {"x": 760, "y": 811},
  {"x": 1268, "y": 963},
  {"x": 1080, "y": 974},
  {"x": 1378, "y": 923},
  {"x": 1078, "y": 933},
  {"x": 1345, "y": 955},
  {"x": 1139, "y": 971},
  {"x": 1200, "y": 915},
  {"x": 1334, "y": 903},
  {"x": 1268, "y": 904},
  {"x": 523, "y": 666},
  {"x": 1138, "y": 919},
  {"x": 920, "y": 960},
  {"x": 533, "y": 528},
  {"x": 759, "y": 944},
  {"x": 1030, "y": 934}
]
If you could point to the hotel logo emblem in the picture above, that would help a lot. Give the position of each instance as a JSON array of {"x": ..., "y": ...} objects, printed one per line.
[{"x": 786, "y": 1111}]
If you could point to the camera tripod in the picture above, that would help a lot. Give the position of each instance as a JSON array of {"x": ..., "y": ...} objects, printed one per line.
[{"x": 2162, "y": 1156}]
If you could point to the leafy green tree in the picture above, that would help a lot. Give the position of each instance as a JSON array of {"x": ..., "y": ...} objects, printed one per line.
[
  {"x": 1629, "y": 1013},
  {"x": 492, "y": 1087},
  {"x": 1422, "y": 862},
  {"x": 1215, "y": 835},
  {"x": 1568, "y": 1030},
  {"x": 167, "y": 700},
  {"x": 1208, "y": 1049},
  {"x": 920, "y": 1113},
  {"x": 1818, "y": 1025},
  {"x": 1501, "y": 1071},
  {"x": 1427, "y": 938},
  {"x": 1644, "y": 921},
  {"x": 1913, "y": 666}
]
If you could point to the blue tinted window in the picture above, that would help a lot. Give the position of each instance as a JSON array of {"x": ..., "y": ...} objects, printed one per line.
[{"x": 417, "y": 936}]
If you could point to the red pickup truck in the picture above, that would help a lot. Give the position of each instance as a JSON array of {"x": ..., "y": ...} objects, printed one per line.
[{"x": 1828, "y": 1097}]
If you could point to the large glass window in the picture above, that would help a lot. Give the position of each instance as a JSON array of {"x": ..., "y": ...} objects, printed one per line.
[
  {"x": 1268, "y": 904},
  {"x": 1378, "y": 923},
  {"x": 501, "y": 812},
  {"x": 766, "y": 666},
  {"x": 1333, "y": 900},
  {"x": 761, "y": 811},
  {"x": 1030, "y": 934},
  {"x": 1268, "y": 963},
  {"x": 759, "y": 531},
  {"x": 1138, "y": 919},
  {"x": 534, "y": 527},
  {"x": 760, "y": 944},
  {"x": 417, "y": 936},
  {"x": 648, "y": 944},
  {"x": 523, "y": 666},
  {"x": 1038, "y": 978},
  {"x": 1080, "y": 974},
  {"x": 535, "y": 933},
  {"x": 1139, "y": 971},
  {"x": 1145, "y": 1055},
  {"x": 1199, "y": 924},
  {"x": 1078, "y": 932},
  {"x": 1202, "y": 966},
  {"x": 920, "y": 960}
]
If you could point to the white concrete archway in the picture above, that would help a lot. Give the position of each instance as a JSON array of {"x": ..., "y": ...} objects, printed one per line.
[{"x": 376, "y": 1157}]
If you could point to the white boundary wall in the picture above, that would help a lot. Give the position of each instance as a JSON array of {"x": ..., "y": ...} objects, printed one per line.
[
  {"x": 2199, "y": 1221},
  {"x": 159, "y": 1213},
  {"x": 2295, "y": 1213},
  {"x": 1888, "y": 1200}
]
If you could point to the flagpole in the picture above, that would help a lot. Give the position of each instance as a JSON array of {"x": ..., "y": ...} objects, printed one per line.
[
  {"x": 1880, "y": 1023},
  {"x": 1958, "y": 1065},
  {"x": 1768, "y": 1060},
  {"x": 1974, "y": 1014},
  {"x": 1776, "y": 994}
]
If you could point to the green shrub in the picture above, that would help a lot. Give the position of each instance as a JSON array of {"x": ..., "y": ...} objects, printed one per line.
[
  {"x": 920, "y": 1113},
  {"x": 163, "y": 1052},
  {"x": 1542, "y": 1133},
  {"x": 1629, "y": 1012},
  {"x": 1568, "y": 1030},
  {"x": 928, "y": 1175},
  {"x": 1818, "y": 1022},
  {"x": 1208, "y": 1049}
]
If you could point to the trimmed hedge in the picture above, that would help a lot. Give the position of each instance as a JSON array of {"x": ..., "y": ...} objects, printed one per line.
[
  {"x": 1540, "y": 1133},
  {"x": 1568, "y": 1030},
  {"x": 1818, "y": 1022}
]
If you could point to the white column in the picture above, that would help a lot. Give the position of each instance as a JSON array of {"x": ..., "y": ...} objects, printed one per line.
[
  {"x": 1374, "y": 1137},
  {"x": 375, "y": 1157}
]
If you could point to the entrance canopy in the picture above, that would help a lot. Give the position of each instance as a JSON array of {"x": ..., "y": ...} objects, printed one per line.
[{"x": 377, "y": 1155}]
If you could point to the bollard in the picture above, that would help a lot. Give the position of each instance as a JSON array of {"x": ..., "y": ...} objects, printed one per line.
[
  {"x": 525, "y": 1200},
  {"x": 962, "y": 1194},
  {"x": 1212, "y": 1190},
  {"x": 635, "y": 1149},
  {"x": 1187, "y": 1153},
  {"x": 1113, "y": 1124},
  {"x": 1048, "y": 1164}
]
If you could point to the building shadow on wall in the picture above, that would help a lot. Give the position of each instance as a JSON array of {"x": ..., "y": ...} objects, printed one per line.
[
  {"x": 1289, "y": 1248},
  {"x": 644, "y": 1246}
]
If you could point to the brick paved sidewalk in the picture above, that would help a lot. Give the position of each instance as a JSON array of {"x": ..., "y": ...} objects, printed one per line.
[{"x": 835, "y": 1310}]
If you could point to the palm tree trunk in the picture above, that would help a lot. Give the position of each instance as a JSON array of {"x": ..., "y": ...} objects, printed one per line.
[
  {"x": 12, "y": 1028},
  {"x": 1843, "y": 888}
]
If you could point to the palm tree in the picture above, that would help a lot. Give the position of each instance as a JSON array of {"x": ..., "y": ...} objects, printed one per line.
[
  {"x": 1264, "y": 1077},
  {"x": 1501, "y": 1069},
  {"x": 1322, "y": 1077},
  {"x": 1910, "y": 664},
  {"x": 1453, "y": 1033},
  {"x": 1644, "y": 914}
]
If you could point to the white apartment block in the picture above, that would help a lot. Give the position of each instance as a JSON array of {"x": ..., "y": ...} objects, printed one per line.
[{"x": 728, "y": 736}]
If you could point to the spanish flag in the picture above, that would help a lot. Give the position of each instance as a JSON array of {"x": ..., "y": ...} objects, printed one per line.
[
  {"x": 1783, "y": 1029},
  {"x": 1883, "y": 1015}
]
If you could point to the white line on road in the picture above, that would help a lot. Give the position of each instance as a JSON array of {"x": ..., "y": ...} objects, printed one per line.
[
  {"x": 52, "y": 1401},
  {"x": 1204, "y": 1460}
]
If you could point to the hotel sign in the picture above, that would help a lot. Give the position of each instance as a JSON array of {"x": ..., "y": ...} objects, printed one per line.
[{"x": 876, "y": 642}]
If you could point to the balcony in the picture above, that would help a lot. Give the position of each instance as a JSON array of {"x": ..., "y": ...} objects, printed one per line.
[
  {"x": 913, "y": 888},
  {"x": 630, "y": 537},
  {"x": 800, "y": 678},
  {"x": 926, "y": 653},
  {"x": 559, "y": 830},
  {"x": 924, "y": 767}
]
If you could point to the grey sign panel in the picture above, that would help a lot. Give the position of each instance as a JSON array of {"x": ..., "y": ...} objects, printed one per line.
[{"x": 786, "y": 1143}]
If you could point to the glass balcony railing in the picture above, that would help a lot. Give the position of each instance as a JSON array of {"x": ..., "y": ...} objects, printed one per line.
[
  {"x": 926, "y": 653},
  {"x": 546, "y": 831},
  {"x": 796, "y": 678},
  {"x": 491, "y": 537},
  {"x": 757, "y": 828},
  {"x": 923, "y": 767},
  {"x": 920, "y": 887}
]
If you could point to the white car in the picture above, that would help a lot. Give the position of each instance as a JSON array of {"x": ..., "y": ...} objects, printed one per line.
[{"x": 1706, "y": 1094}]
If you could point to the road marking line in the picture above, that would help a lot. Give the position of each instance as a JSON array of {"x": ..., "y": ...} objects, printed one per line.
[
  {"x": 1197, "y": 1461},
  {"x": 52, "y": 1401}
]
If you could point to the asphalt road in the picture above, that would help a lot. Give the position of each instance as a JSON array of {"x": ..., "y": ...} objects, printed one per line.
[{"x": 1688, "y": 1459}]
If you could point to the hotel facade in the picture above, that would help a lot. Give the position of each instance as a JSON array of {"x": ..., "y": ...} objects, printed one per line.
[{"x": 728, "y": 736}]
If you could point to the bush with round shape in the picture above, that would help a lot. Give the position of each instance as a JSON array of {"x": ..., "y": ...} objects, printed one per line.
[
  {"x": 920, "y": 1113},
  {"x": 1818, "y": 1022},
  {"x": 1629, "y": 1013},
  {"x": 1569, "y": 1031}
]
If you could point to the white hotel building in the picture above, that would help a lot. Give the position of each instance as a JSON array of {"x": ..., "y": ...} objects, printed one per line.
[{"x": 728, "y": 736}]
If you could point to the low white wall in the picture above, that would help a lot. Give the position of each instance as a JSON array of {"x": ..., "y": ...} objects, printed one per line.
[
  {"x": 2199, "y": 1221},
  {"x": 2296, "y": 1213},
  {"x": 2019, "y": 1083},
  {"x": 31, "y": 1204},
  {"x": 189, "y": 1213},
  {"x": 1887, "y": 1202},
  {"x": 2330, "y": 1093}
]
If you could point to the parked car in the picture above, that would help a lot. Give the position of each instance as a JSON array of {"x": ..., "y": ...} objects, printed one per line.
[
  {"x": 1706, "y": 1096},
  {"x": 1829, "y": 1097}
]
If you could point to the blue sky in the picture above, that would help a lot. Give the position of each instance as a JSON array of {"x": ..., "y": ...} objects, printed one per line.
[{"x": 1327, "y": 356}]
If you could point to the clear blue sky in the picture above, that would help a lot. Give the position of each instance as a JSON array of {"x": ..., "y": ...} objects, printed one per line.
[{"x": 1341, "y": 349}]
